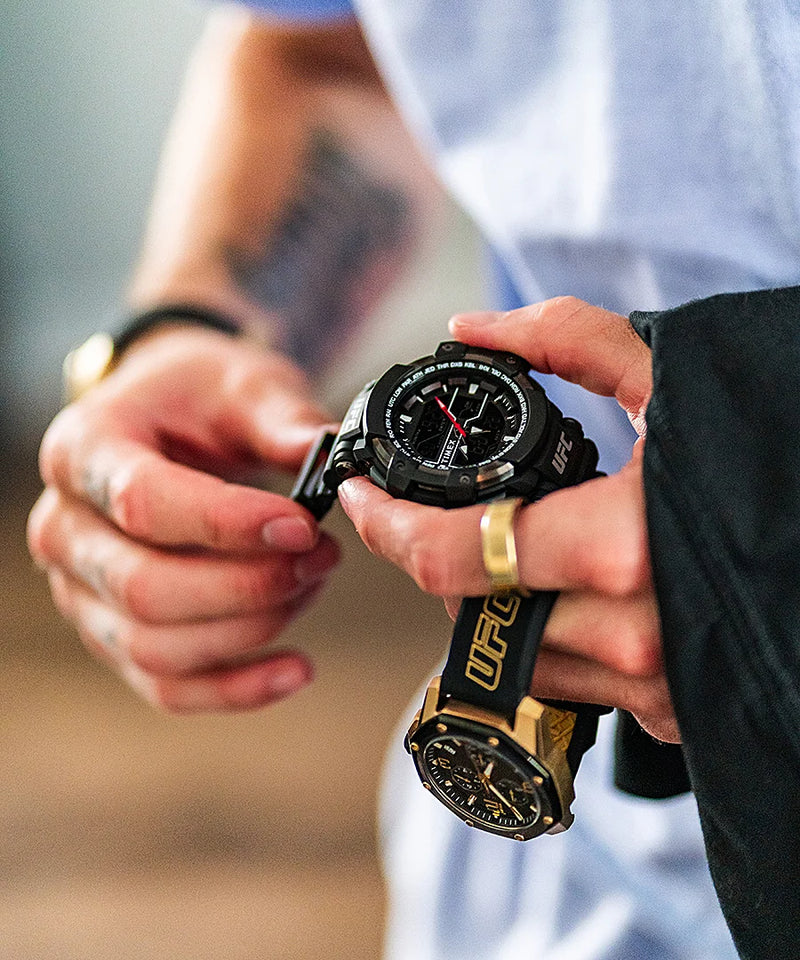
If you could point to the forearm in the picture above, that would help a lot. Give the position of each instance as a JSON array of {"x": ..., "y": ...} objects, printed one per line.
[{"x": 288, "y": 194}]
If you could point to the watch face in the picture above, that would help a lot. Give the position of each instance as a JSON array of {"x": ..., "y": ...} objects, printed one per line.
[
  {"x": 456, "y": 414},
  {"x": 488, "y": 786}
]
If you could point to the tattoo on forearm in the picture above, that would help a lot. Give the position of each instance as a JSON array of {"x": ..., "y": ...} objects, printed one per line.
[{"x": 315, "y": 265}]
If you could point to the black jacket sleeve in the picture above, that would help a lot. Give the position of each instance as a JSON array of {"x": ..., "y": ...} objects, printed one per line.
[{"x": 722, "y": 487}]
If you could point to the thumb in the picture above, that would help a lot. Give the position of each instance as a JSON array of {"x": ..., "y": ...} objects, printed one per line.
[
  {"x": 586, "y": 345},
  {"x": 269, "y": 405}
]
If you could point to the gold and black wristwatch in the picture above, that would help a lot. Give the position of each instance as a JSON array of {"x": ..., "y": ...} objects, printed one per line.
[{"x": 459, "y": 427}]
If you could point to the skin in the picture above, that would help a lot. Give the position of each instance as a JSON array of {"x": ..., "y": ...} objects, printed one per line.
[{"x": 180, "y": 578}]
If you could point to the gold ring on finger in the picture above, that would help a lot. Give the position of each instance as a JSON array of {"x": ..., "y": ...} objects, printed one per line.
[{"x": 499, "y": 545}]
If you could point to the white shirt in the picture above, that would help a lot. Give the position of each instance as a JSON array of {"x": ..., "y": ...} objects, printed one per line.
[{"x": 638, "y": 155}]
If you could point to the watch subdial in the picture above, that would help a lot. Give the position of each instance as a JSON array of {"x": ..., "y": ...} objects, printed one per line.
[
  {"x": 467, "y": 778},
  {"x": 484, "y": 431},
  {"x": 520, "y": 795}
]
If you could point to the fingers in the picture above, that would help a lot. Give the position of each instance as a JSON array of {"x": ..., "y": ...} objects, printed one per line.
[
  {"x": 578, "y": 342},
  {"x": 172, "y": 650},
  {"x": 591, "y": 536},
  {"x": 171, "y": 575},
  {"x": 217, "y": 392},
  {"x": 158, "y": 586},
  {"x": 226, "y": 689},
  {"x": 563, "y": 676},
  {"x": 155, "y": 500}
]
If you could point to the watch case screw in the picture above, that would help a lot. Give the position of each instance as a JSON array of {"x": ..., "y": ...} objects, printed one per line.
[
  {"x": 441, "y": 728},
  {"x": 493, "y": 742}
]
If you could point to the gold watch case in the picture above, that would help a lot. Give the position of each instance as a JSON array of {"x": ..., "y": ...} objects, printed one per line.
[{"x": 542, "y": 734}]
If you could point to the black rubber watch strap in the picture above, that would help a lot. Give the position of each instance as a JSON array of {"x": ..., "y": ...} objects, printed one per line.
[{"x": 493, "y": 649}]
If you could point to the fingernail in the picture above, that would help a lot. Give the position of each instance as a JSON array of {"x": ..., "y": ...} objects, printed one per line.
[
  {"x": 286, "y": 678},
  {"x": 480, "y": 318},
  {"x": 289, "y": 533},
  {"x": 314, "y": 567}
]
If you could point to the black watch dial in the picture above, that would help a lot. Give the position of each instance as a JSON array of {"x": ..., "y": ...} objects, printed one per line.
[
  {"x": 486, "y": 783},
  {"x": 456, "y": 414}
]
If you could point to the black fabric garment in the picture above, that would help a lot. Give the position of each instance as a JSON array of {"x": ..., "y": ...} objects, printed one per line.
[{"x": 722, "y": 487}]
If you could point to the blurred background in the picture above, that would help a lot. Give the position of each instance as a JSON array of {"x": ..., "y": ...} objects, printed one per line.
[{"x": 128, "y": 834}]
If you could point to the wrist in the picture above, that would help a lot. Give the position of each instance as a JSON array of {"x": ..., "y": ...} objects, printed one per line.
[{"x": 91, "y": 362}]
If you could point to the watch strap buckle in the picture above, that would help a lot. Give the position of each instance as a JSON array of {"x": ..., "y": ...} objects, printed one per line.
[{"x": 310, "y": 489}]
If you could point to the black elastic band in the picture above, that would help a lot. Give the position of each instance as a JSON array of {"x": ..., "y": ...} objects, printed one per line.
[{"x": 141, "y": 323}]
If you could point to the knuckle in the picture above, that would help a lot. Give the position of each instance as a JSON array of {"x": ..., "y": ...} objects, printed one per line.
[
  {"x": 129, "y": 503},
  {"x": 432, "y": 569},
  {"x": 256, "y": 586},
  {"x": 133, "y": 589},
  {"x": 160, "y": 693},
  {"x": 637, "y": 650},
  {"x": 54, "y": 448},
  {"x": 144, "y": 652},
  {"x": 39, "y": 522},
  {"x": 61, "y": 594},
  {"x": 651, "y": 699},
  {"x": 566, "y": 305},
  {"x": 217, "y": 523},
  {"x": 622, "y": 568}
]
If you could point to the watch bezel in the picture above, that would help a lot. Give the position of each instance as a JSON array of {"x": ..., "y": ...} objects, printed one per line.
[{"x": 393, "y": 469}]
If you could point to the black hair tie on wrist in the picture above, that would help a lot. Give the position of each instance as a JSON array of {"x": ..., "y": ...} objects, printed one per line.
[{"x": 142, "y": 323}]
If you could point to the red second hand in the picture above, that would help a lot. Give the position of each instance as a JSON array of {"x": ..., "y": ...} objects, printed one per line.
[{"x": 451, "y": 418}]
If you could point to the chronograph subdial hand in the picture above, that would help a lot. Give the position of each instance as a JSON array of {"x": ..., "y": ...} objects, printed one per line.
[{"x": 485, "y": 776}]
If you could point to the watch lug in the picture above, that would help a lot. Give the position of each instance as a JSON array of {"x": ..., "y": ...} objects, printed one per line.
[
  {"x": 430, "y": 705},
  {"x": 411, "y": 731}
]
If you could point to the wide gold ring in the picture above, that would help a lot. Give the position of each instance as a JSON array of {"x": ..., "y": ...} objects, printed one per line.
[{"x": 499, "y": 545}]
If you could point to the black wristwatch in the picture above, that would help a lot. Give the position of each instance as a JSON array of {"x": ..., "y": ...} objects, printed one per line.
[{"x": 463, "y": 426}]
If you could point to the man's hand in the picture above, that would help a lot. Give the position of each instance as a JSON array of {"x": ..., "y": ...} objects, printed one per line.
[
  {"x": 602, "y": 643},
  {"x": 177, "y": 578}
]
